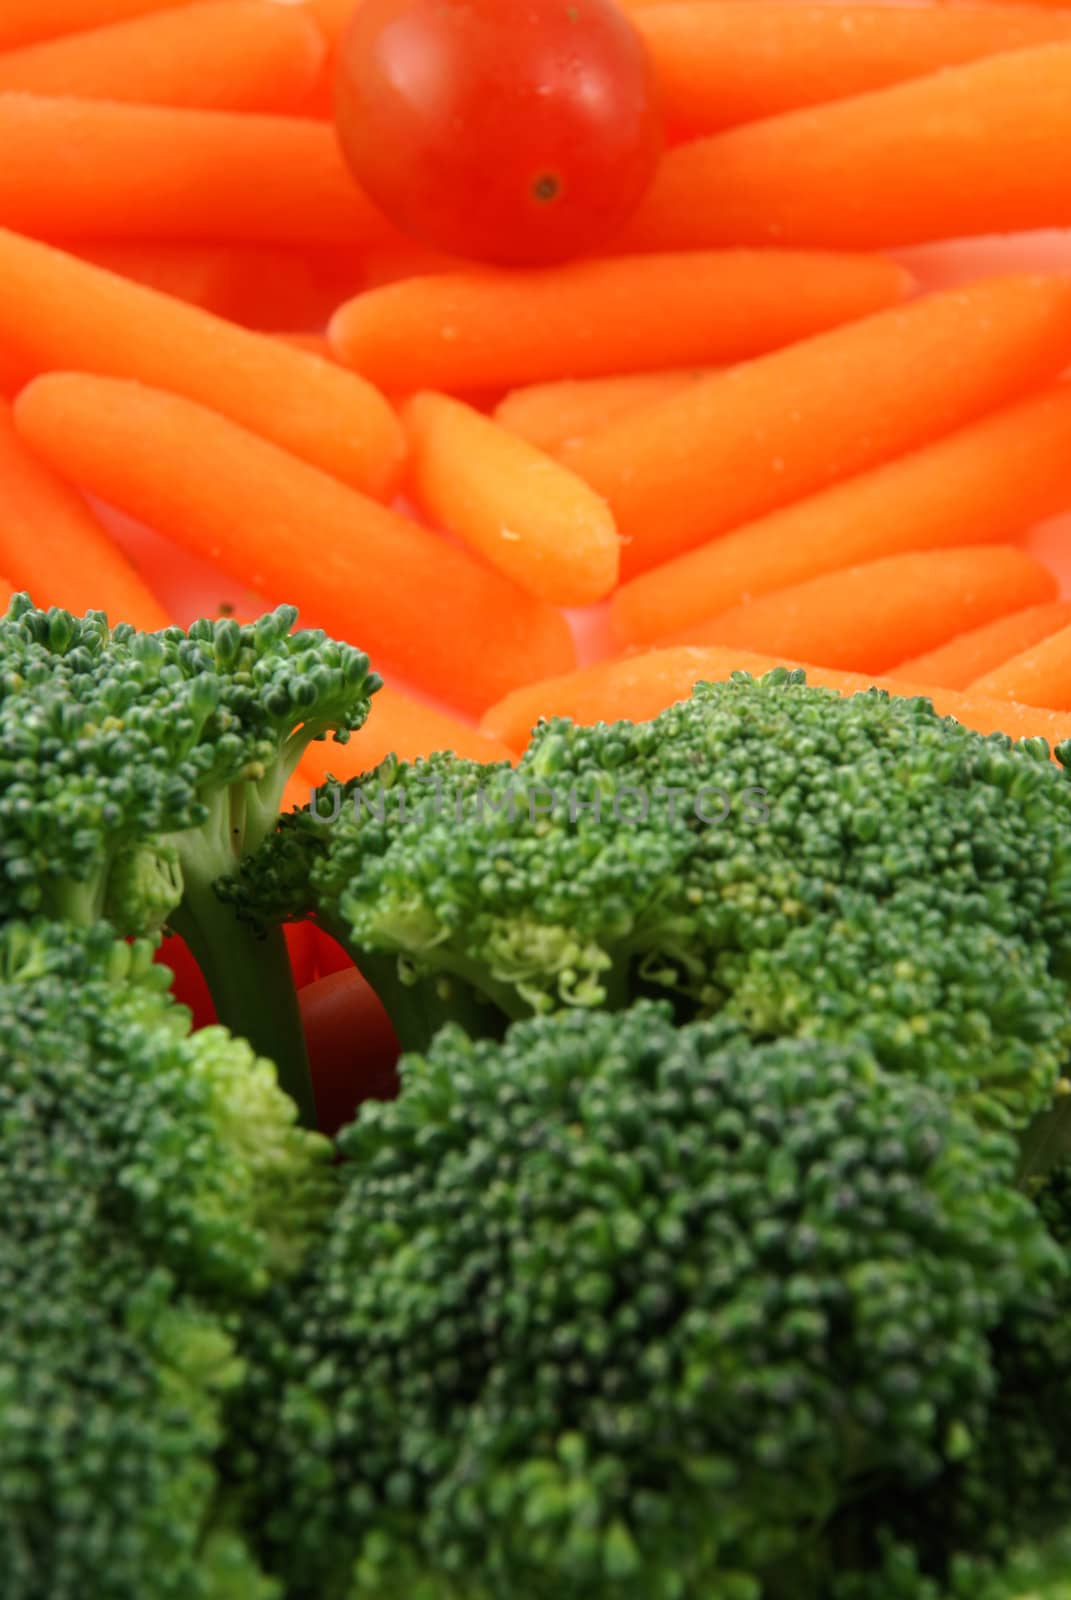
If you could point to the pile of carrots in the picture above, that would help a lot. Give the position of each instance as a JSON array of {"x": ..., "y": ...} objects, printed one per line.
[{"x": 781, "y": 420}]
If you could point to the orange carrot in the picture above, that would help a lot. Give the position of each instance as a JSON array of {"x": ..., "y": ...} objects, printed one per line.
[
  {"x": 259, "y": 286},
  {"x": 550, "y": 415},
  {"x": 983, "y": 483},
  {"x": 13, "y": 372},
  {"x": 530, "y": 518},
  {"x": 401, "y": 726},
  {"x": 237, "y": 55},
  {"x": 6, "y": 592},
  {"x": 314, "y": 344},
  {"x": 720, "y": 64},
  {"x": 56, "y": 311},
  {"x": 153, "y": 173},
  {"x": 25, "y": 21},
  {"x": 51, "y": 546},
  {"x": 486, "y": 328},
  {"x": 965, "y": 658},
  {"x": 639, "y": 687},
  {"x": 404, "y": 258},
  {"x": 333, "y": 16},
  {"x": 420, "y": 606},
  {"x": 971, "y": 150},
  {"x": 740, "y": 444},
  {"x": 1040, "y": 675},
  {"x": 869, "y": 618}
]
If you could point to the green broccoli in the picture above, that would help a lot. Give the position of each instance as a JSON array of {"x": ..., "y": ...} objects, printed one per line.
[
  {"x": 1012, "y": 1492},
  {"x": 153, "y": 1186},
  {"x": 137, "y": 769},
  {"x": 882, "y": 871},
  {"x": 618, "y": 1308},
  {"x": 1032, "y": 1572}
]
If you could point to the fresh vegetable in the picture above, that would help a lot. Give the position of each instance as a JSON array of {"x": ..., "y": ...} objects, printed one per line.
[
  {"x": 403, "y": 727},
  {"x": 1040, "y": 675},
  {"x": 759, "y": 850},
  {"x": 52, "y": 544},
  {"x": 276, "y": 522},
  {"x": 718, "y": 65},
  {"x": 686, "y": 469},
  {"x": 976, "y": 149},
  {"x": 25, "y": 21},
  {"x": 267, "y": 287},
  {"x": 526, "y": 131},
  {"x": 549, "y": 415},
  {"x": 161, "y": 173},
  {"x": 640, "y": 686},
  {"x": 473, "y": 329},
  {"x": 528, "y": 517},
  {"x": 957, "y": 664},
  {"x": 153, "y": 1186},
  {"x": 869, "y": 617},
  {"x": 231, "y": 55},
  {"x": 619, "y": 1309},
  {"x": 983, "y": 482},
  {"x": 59, "y": 312},
  {"x": 139, "y": 768},
  {"x": 352, "y": 1046}
]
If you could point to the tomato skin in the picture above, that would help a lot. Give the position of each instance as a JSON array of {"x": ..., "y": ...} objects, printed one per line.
[
  {"x": 352, "y": 1047},
  {"x": 514, "y": 131}
]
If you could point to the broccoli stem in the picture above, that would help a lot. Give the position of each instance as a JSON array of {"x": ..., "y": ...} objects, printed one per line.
[
  {"x": 419, "y": 1009},
  {"x": 249, "y": 977}
]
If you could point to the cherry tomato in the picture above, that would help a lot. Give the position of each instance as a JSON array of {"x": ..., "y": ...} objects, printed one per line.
[
  {"x": 189, "y": 987},
  {"x": 513, "y": 131},
  {"x": 352, "y": 1047}
]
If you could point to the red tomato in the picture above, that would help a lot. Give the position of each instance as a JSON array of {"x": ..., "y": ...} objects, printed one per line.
[
  {"x": 189, "y": 987},
  {"x": 516, "y": 131},
  {"x": 352, "y": 1047}
]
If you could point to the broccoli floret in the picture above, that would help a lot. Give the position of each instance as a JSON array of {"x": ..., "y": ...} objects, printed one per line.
[
  {"x": 615, "y": 1308},
  {"x": 140, "y": 768},
  {"x": 1035, "y": 1572},
  {"x": 153, "y": 1187},
  {"x": 882, "y": 871},
  {"x": 311, "y": 867}
]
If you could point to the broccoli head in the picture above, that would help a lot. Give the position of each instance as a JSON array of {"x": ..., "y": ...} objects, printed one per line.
[
  {"x": 153, "y": 1186},
  {"x": 137, "y": 769},
  {"x": 616, "y": 1308},
  {"x": 815, "y": 865}
]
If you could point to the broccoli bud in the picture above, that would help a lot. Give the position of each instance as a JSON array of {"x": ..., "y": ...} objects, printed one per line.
[
  {"x": 153, "y": 1186},
  {"x": 612, "y": 1308}
]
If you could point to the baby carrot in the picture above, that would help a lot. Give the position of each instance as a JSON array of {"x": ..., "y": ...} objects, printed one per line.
[
  {"x": 639, "y": 687},
  {"x": 527, "y": 516},
  {"x": 985, "y": 482},
  {"x": 236, "y": 55},
  {"x": 968, "y": 656},
  {"x": 975, "y": 149},
  {"x": 719, "y": 64},
  {"x": 746, "y": 441},
  {"x": 154, "y": 172},
  {"x": 550, "y": 415},
  {"x": 419, "y": 605},
  {"x": 313, "y": 344},
  {"x": 53, "y": 547},
  {"x": 404, "y": 727},
  {"x": 332, "y": 16},
  {"x": 259, "y": 286},
  {"x": 868, "y": 618},
  {"x": 486, "y": 328},
  {"x": 56, "y": 311},
  {"x": 25, "y": 21},
  {"x": 1040, "y": 675}
]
